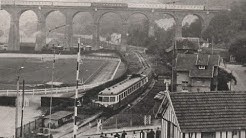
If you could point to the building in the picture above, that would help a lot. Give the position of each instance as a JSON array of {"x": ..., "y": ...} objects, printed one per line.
[
  {"x": 196, "y": 72},
  {"x": 203, "y": 115},
  {"x": 58, "y": 119},
  {"x": 185, "y": 45}
]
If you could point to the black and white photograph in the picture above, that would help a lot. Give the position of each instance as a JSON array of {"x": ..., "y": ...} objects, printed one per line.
[{"x": 122, "y": 68}]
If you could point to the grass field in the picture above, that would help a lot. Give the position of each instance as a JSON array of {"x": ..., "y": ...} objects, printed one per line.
[{"x": 39, "y": 72}]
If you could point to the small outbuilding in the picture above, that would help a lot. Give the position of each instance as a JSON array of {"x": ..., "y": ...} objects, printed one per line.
[{"x": 58, "y": 119}]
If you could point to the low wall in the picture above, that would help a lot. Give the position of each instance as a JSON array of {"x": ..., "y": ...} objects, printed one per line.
[
  {"x": 57, "y": 101},
  {"x": 7, "y": 100}
]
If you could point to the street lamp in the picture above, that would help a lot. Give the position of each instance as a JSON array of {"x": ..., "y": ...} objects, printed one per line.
[
  {"x": 127, "y": 34},
  {"x": 17, "y": 99},
  {"x": 52, "y": 76}
]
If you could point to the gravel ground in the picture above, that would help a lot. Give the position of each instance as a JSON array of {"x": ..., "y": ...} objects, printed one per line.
[{"x": 240, "y": 73}]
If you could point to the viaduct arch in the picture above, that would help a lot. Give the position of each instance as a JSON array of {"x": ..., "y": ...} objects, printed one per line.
[{"x": 149, "y": 11}]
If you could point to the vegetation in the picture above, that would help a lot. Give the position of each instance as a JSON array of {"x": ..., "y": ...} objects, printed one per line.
[
  {"x": 223, "y": 78},
  {"x": 229, "y": 29},
  {"x": 193, "y": 29}
]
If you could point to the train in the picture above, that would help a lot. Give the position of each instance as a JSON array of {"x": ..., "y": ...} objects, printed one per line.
[{"x": 124, "y": 92}]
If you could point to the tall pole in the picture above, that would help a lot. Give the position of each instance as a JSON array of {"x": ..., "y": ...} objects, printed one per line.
[
  {"x": 52, "y": 86},
  {"x": 17, "y": 104},
  {"x": 75, "y": 129},
  {"x": 212, "y": 45},
  {"x": 173, "y": 61},
  {"x": 22, "y": 109}
]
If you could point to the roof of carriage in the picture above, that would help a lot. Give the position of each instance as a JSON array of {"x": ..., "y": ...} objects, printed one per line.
[{"x": 119, "y": 87}]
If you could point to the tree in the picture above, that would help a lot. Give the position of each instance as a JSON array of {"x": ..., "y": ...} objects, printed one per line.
[
  {"x": 216, "y": 29},
  {"x": 223, "y": 78},
  {"x": 192, "y": 30},
  {"x": 238, "y": 47}
]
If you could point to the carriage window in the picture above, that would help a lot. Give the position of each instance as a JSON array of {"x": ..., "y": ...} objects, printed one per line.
[
  {"x": 105, "y": 99},
  {"x": 100, "y": 99},
  {"x": 112, "y": 99}
]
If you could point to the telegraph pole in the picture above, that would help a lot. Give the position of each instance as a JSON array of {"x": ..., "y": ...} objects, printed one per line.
[
  {"x": 22, "y": 109},
  {"x": 17, "y": 100},
  {"x": 75, "y": 129},
  {"x": 17, "y": 105},
  {"x": 52, "y": 86}
]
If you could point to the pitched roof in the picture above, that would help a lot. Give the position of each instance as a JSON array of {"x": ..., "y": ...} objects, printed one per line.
[
  {"x": 189, "y": 63},
  {"x": 187, "y": 43},
  {"x": 210, "y": 111}
]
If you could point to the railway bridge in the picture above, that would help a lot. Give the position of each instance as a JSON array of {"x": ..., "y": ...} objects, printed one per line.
[{"x": 124, "y": 10}]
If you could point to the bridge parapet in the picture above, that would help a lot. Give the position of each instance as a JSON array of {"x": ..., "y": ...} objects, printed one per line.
[
  {"x": 45, "y": 3},
  {"x": 90, "y": 4},
  {"x": 167, "y": 6}
]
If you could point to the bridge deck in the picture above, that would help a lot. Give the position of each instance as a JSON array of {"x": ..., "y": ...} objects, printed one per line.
[{"x": 108, "y": 5}]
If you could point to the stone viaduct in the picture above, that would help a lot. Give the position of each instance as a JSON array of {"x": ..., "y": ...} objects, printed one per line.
[{"x": 97, "y": 10}]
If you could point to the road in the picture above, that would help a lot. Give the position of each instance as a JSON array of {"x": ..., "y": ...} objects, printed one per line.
[{"x": 240, "y": 73}]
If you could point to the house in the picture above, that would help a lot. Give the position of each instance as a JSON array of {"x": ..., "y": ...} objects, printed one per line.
[
  {"x": 203, "y": 115},
  {"x": 58, "y": 119},
  {"x": 196, "y": 72},
  {"x": 186, "y": 45}
]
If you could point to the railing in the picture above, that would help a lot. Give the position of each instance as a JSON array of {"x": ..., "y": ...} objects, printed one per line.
[
  {"x": 49, "y": 90},
  {"x": 87, "y": 4},
  {"x": 44, "y": 3}
]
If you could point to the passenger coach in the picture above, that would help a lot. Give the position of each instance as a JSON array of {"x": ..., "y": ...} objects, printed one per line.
[{"x": 123, "y": 92}]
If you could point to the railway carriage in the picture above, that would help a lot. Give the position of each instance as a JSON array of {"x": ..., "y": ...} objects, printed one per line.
[{"x": 123, "y": 92}]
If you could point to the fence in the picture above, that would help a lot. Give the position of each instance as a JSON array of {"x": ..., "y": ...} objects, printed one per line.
[
  {"x": 126, "y": 120},
  {"x": 30, "y": 128}
]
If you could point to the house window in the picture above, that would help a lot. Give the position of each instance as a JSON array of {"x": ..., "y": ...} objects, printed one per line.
[
  {"x": 105, "y": 99},
  {"x": 201, "y": 67},
  {"x": 208, "y": 135},
  {"x": 185, "y": 85},
  {"x": 112, "y": 99},
  {"x": 100, "y": 99}
]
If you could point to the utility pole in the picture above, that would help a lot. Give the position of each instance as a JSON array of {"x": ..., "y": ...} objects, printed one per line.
[
  {"x": 75, "y": 129},
  {"x": 22, "y": 109},
  {"x": 52, "y": 86},
  {"x": 173, "y": 64},
  {"x": 212, "y": 45},
  {"x": 17, "y": 105},
  {"x": 17, "y": 100}
]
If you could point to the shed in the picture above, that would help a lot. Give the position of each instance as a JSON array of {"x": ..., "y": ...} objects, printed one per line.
[{"x": 58, "y": 119}]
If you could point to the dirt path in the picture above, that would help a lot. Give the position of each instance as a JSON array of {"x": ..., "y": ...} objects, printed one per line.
[{"x": 240, "y": 73}]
